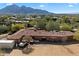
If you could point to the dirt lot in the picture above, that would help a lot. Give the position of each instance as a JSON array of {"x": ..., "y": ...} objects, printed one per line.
[{"x": 50, "y": 50}]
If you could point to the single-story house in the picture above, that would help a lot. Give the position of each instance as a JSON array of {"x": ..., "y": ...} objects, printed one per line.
[{"x": 41, "y": 34}]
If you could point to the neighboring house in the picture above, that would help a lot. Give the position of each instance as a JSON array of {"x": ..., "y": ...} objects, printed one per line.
[{"x": 26, "y": 19}]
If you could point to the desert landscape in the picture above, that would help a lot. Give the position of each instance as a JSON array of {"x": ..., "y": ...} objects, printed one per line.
[{"x": 39, "y": 30}]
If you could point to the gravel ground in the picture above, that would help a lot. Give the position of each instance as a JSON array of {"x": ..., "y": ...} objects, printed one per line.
[{"x": 50, "y": 50}]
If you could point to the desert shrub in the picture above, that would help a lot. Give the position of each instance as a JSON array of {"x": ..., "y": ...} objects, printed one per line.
[
  {"x": 41, "y": 24},
  {"x": 75, "y": 25},
  {"x": 51, "y": 25},
  {"x": 27, "y": 38},
  {"x": 16, "y": 27},
  {"x": 76, "y": 35},
  {"x": 3, "y": 29},
  {"x": 65, "y": 27},
  {"x": 27, "y": 50},
  {"x": 33, "y": 22}
]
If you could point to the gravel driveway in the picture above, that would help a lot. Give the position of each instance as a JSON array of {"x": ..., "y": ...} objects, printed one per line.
[{"x": 50, "y": 50}]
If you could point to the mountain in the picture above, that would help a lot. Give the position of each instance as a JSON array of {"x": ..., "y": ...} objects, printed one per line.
[{"x": 14, "y": 9}]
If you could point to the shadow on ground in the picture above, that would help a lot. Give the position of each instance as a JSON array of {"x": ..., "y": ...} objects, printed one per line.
[
  {"x": 57, "y": 42},
  {"x": 6, "y": 50}
]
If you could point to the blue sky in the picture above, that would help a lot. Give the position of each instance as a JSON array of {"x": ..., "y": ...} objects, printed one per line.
[{"x": 51, "y": 7}]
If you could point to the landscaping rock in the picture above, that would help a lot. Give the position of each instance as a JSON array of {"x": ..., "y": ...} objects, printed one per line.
[{"x": 27, "y": 50}]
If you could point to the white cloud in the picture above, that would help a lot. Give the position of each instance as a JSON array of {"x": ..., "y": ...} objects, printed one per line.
[
  {"x": 71, "y": 5},
  {"x": 41, "y": 5},
  {"x": 9, "y": 4}
]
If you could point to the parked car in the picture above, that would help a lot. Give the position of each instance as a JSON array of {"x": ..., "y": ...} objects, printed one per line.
[{"x": 22, "y": 44}]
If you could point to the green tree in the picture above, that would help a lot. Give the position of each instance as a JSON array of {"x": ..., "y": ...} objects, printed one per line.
[
  {"x": 65, "y": 27},
  {"x": 3, "y": 29},
  {"x": 47, "y": 18},
  {"x": 41, "y": 24},
  {"x": 51, "y": 25},
  {"x": 64, "y": 19},
  {"x": 16, "y": 27},
  {"x": 76, "y": 25},
  {"x": 33, "y": 22},
  {"x": 76, "y": 35}
]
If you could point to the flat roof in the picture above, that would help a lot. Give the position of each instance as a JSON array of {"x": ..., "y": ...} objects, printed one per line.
[{"x": 39, "y": 33}]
